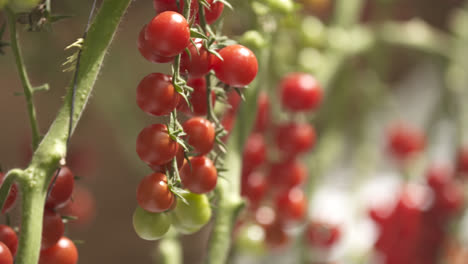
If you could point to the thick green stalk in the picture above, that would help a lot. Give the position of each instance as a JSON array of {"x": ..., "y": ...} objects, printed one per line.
[
  {"x": 170, "y": 249},
  {"x": 27, "y": 87}
]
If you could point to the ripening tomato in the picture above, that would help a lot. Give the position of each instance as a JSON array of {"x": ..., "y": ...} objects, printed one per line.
[
  {"x": 82, "y": 206},
  {"x": 168, "y": 34},
  {"x": 200, "y": 175},
  {"x": 189, "y": 217},
  {"x": 150, "y": 226},
  {"x": 63, "y": 252},
  {"x": 5, "y": 254},
  {"x": 300, "y": 92},
  {"x": 153, "y": 193},
  {"x": 61, "y": 190},
  {"x": 9, "y": 238},
  {"x": 198, "y": 64},
  {"x": 155, "y": 146},
  {"x": 200, "y": 134},
  {"x": 180, "y": 157},
  {"x": 291, "y": 204},
  {"x": 295, "y": 138},
  {"x": 171, "y": 5},
  {"x": 156, "y": 95},
  {"x": 52, "y": 228},
  {"x": 405, "y": 140},
  {"x": 213, "y": 12},
  {"x": 322, "y": 234},
  {"x": 12, "y": 194},
  {"x": 147, "y": 52},
  {"x": 286, "y": 174},
  {"x": 262, "y": 119},
  {"x": 238, "y": 67},
  {"x": 197, "y": 98},
  {"x": 254, "y": 154}
]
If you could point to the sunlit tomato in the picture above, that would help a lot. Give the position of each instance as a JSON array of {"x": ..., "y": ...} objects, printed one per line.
[
  {"x": 150, "y": 226},
  {"x": 197, "y": 98},
  {"x": 300, "y": 92},
  {"x": 147, "y": 52},
  {"x": 9, "y": 238},
  {"x": 52, "y": 228},
  {"x": 198, "y": 64},
  {"x": 322, "y": 234},
  {"x": 254, "y": 154},
  {"x": 263, "y": 113},
  {"x": 295, "y": 138},
  {"x": 5, "y": 254},
  {"x": 156, "y": 95},
  {"x": 191, "y": 216},
  {"x": 12, "y": 194},
  {"x": 254, "y": 187},
  {"x": 238, "y": 67},
  {"x": 63, "y": 252},
  {"x": 82, "y": 206},
  {"x": 200, "y": 175},
  {"x": 291, "y": 204},
  {"x": 62, "y": 188},
  {"x": 171, "y": 5},
  {"x": 214, "y": 12},
  {"x": 168, "y": 34},
  {"x": 200, "y": 134},
  {"x": 153, "y": 193},
  {"x": 167, "y": 166},
  {"x": 286, "y": 174},
  {"x": 405, "y": 140},
  {"x": 155, "y": 146}
]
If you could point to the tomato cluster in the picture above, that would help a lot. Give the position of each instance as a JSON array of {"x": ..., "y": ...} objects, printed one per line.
[{"x": 181, "y": 155}]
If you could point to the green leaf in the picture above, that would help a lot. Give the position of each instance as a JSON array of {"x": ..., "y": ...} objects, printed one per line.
[{"x": 197, "y": 34}]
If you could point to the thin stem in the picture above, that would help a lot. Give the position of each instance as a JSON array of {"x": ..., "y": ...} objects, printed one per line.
[
  {"x": 9, "y": 179},
  {"x": 27, "y": 87}
]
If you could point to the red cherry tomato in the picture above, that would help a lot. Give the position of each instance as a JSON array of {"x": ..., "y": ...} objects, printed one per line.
[
  {"x": 155, "y": 146},
  {"x": 167, "y": 166},
  {"x": 263, "y": 113},
  {"x": 52, "y": 228},
  {"x": 153, "y": 193},
  {"x": 286, "y": 174},
  {"x": 200, "y": 176},
  {"x": 405, "y": 140},
  {"x": 198, "y": 64},
  {"x": 438, "y": 176},
  {"x": 254, "y": 187},
  {"x": 156, "y": 95},
  {"x": 201, "y": 134},
  {"x": 238, "y": 67},
  {"x": 147, "y": 52},
  {"x": 291, "y": 204},
  {"x": 63, "y": 252},
  {"x": 5, "y": 254},
  {"x": 295, "y": 138},
  {"x": 62, "y": 189},
  {"x": 322, "y": 234},
  {"x": 276, "y": 237},
  {"x": 168, "y": 34},
  {"x": 228, "y": 121},
  {"x": 254, "y": 154},
  {"x": 171, "y": 5},
  {"x": 300, "y": 92},
  {"x": 234, "y": 101},
  {"x": 214, "y": 12},
  {"x": 82, "y": 206},
  {"x": 9, "y": 238},
  {"x": 197, "y": 98},
  {"x": 11, "y": 198}
]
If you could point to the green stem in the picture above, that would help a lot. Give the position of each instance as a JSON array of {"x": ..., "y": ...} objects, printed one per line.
[
  {"x": 27, "y": 87},
  {"x": 170, "y": 249},
  {"x": 347, "y": 12}
]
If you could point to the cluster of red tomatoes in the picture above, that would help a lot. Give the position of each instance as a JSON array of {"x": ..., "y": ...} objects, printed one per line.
[{"x": 181, "y": 155}]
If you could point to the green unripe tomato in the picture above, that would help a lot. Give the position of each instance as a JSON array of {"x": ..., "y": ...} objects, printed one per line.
[
  {"x": 189, "y": 218},
  {"x": 23, "y": 5},
  {"x": 251, "y": 240},
  {"x": 150, "y": 226},
  {"x": 253, "y": 39},
  {"x": 282, "y": 6}
]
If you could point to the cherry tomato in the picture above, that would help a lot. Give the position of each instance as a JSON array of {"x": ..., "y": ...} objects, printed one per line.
[
  {"x": 234, "y": 101},
  {"x": 438, "y": 176},
  {"x": 147, "y": 52},
  {"x": 200, "y": 175},
  {"x": 63, "y": 252},
  {"x": 263, "y": 113},
  {"x": 286, "y": 174},
  {"x": 52, "y": 228},
  {"x": 197, "y": 98},
  {"x": 405, "y": 140},
  {"x": 9, "y": 238},
  {"x": 189, "y": 218},
  {"x": 254, "y": 154},
  {"x": 295, "y": 138},
  {"x": 156, "y": 95},
  {"x": 167, "y": 166},
  {"x": 168, "y": 34},
  {"x": 155, "y": 146},
  {"x": 228, "y": 122},
  {"x": 171, "y": 5},
  {"x": 462, "y": 161},
  {"x": 150, "y": 226},
  {"x": 254, "y": 188},
  {"x": 450, "y": 200},
  {"x": 322, "y": 234},
  {"x": 276, "y": 237},
  {"x": 200, "y": 133},
  {"x": 300, "y": 92},
  {"x": 238, "y": 67},
  {"x": 153, "y": 193},
  {"x": 198, "y": 64},
  {"x": 12, "y": 194},
  {"x": 214, "y": 12},
  {"x": 5, "y": 254},
  {"x": 82, "y": 206},
  {"x": 291, "y": 204},
  {"x": 62, "y": 189}
]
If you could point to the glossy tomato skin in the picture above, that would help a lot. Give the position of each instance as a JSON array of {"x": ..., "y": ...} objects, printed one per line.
[
  {"x": 200, "y": 176},
  {"x": 11, "y": 198},
  {"x": 5, "y": 254},
  {"x": 197, "y": 98},
  {"x": 52, "y": 228},
  {"x": 171, "y": 5},
  {"x": 180, "y": 157},
  {"x": 322, "y": 234},
  {"x": 147, "y": 52},
  {"x": 300, "y": 92},
  {"x": 200, "y": 134},
  {"x": 214, "y": 12},
  {"x": 189, "y": 218},
  {"x": 153, "y": 193},
  {"x": 155, "y": 146},
  {"x": 291, "y": 204},
  {"x": 156, "y": 95},
  {"x": 286, "y": 174},
  {"x": 150, "y": 226},
  {"x": 199, "y": 63},
  {"x": 238, "y": 67},
  {"x": 62, "y": 188},
  {"x": 168, "y": 34},
  {"x": 82, "y": 206},
  {"x": 254, "y": 154},
  {"x": 9, "y": 238},
  {"x": 63, "y": 252},
  {"x": 295, "y": 138}
]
